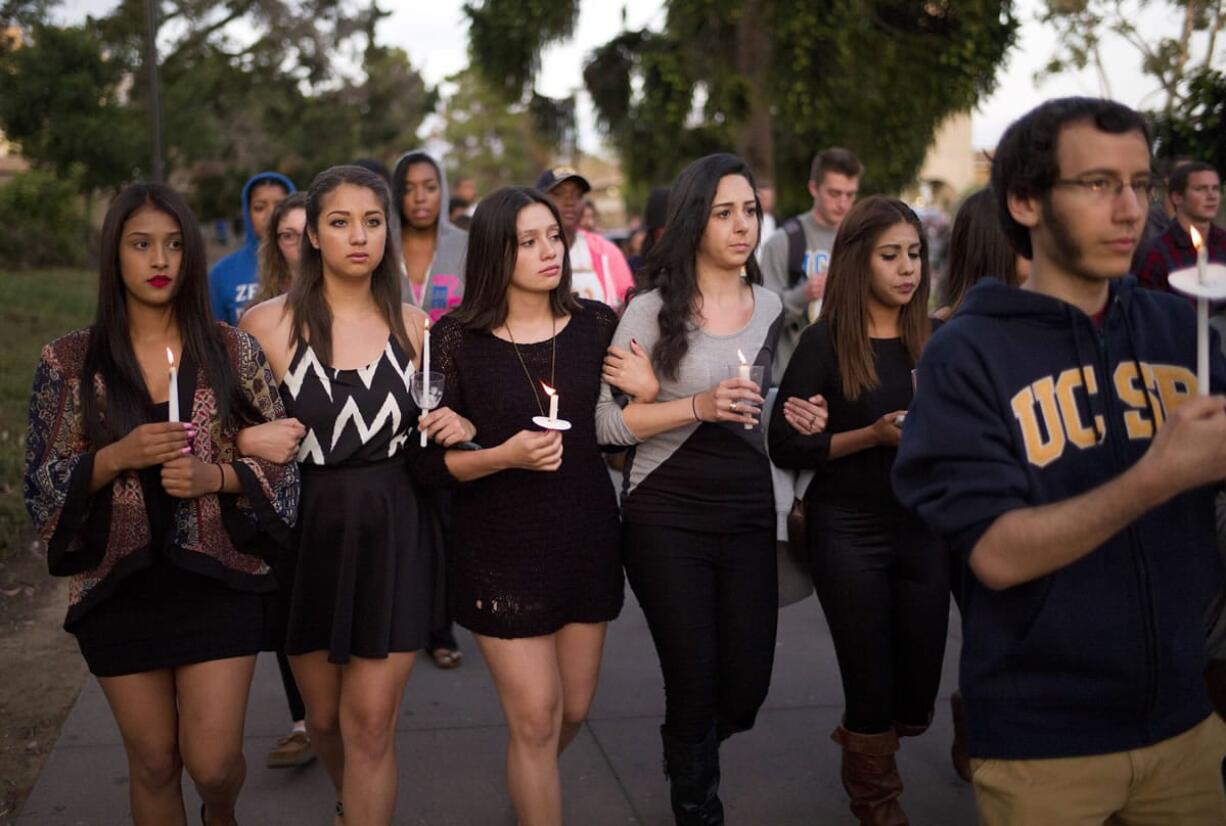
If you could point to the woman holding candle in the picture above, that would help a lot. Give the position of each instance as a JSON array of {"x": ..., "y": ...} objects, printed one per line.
[
  {"x": 161, "y": 524},
  {"x": 341, "y": 344},
  {"x": 699, "y": 513},
  {"x": 882, "y": 579},
  {"x": 535, "y": 573}
]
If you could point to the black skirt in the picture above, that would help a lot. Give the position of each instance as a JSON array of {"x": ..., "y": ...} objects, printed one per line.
[
  {"x": 363, "y": 577},
  {"x": 163, "y": 616}
]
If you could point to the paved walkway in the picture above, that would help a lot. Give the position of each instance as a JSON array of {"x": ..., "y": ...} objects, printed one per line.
[{"x": 451, "y": 741}]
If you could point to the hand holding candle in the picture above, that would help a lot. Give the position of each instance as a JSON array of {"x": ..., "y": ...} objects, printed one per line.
[
  {"x": 748, "y": 372},
  {"x": 174, "y": 385}
]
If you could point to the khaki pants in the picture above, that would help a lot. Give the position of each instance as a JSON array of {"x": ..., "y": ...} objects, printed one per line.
[{"x": 1177, "y": 782}]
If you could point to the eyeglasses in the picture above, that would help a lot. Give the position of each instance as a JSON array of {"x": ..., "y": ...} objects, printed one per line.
[
  {"x": 1102, "y": 188},
  {"x": 288, "y": 237}
]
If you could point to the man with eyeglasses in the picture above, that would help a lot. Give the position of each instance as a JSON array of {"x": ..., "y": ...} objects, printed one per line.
[
  {"x": 1196, "y": 192},
  {"x": 1058, "y": 442}
]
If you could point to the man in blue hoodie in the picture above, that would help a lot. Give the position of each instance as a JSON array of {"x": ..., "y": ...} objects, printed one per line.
[
  {"x": 234, "y": 279},
  {"x": 1058, "y": 441}
]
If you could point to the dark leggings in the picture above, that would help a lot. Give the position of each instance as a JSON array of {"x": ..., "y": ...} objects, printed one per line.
[
  {"x": 297, "y": 710},
  {"x": 883, "y": 582},
  {"x": 711, "y": 602}
]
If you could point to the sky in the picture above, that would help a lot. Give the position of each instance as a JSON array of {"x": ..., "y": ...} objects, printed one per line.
[{"x": 433, "y": 32}]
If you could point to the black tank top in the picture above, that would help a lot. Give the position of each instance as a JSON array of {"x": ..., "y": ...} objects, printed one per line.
[{"x": 352, "y": 416}]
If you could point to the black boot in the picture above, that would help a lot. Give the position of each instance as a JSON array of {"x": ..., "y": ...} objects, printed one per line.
[{"x": 693, "y": 774}]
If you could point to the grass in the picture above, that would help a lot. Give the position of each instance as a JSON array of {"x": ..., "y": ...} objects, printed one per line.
[{"x": 36, "y": 306}]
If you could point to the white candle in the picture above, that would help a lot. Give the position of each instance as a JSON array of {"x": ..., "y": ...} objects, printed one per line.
[
  {"x": 553, "y": 402},
  {"x": 745, "y": 372},
  {"x": 174, "y": 385},
  {"x": 1202, "y": 315},
  {"x": 425, "y": 370}
]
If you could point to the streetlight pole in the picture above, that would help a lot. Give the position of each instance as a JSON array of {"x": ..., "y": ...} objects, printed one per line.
[{"x": 155, "y": 104}]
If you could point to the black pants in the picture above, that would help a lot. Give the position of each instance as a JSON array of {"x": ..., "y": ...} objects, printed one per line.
[
  {"x": 297, "y": 710},
  {"x": 711, "y": 602},
  {"x": 883, "y": 582}
]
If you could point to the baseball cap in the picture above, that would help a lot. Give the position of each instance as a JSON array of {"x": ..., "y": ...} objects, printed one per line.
[{"x": 550, "y": 178}]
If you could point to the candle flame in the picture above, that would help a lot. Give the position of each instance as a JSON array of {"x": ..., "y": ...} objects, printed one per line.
[
  {"x": 1197, "y": 242},
  {"x": 549, "y": 391},
  {"x": 741, "y": 356},
  {"x": 170, "y": 357},
  {"x": 426, "y": 323}
]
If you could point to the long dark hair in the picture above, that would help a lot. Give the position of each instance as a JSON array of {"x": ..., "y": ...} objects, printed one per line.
[
  {"x": 670, "y": 266},
  {"x": 978, "y": 247},
  {"x": 109, "y": 355},
  {"x": 493, "y": 247},
  {"x": 845, "y": 305},
  {"x": 274, "y": 270},
  {"x": 312, "y": 316},
  {"x": 398, "y": 187}
]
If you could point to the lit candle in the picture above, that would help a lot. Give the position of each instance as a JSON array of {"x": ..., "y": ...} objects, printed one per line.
[
  {"x": 1202, "y": 315},
  {"x": 174, "y": 385},
  {"x": 553, "y": 401},
  {"x": 425, "y": 370}
]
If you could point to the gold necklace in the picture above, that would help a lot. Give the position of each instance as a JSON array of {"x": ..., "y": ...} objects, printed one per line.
[{"x": 553, "y": 364}]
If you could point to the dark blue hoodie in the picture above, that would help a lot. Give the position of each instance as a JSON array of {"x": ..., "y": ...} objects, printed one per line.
[
  {"x": 1022, "y": 401},
  {"x": 233, "y": 279}
]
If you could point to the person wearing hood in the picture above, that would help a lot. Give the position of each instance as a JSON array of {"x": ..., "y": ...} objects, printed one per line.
[
  {"x": 233, "y": 281},
  {"x": 1058, "y": 441},
  {"x": 600, "y": 271},
  {"x": 432, "y": 248}
]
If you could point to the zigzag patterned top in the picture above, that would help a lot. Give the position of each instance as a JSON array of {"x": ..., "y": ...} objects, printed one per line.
[{"x": 351, "y": 416}]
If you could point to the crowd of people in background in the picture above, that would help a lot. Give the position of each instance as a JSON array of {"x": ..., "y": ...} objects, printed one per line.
[{"x": 396, "y": 408}]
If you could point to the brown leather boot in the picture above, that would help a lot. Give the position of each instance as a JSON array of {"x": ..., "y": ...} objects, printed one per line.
[
  {"x": 957, "y": 749},
  {"x": 870, "y": 776}
]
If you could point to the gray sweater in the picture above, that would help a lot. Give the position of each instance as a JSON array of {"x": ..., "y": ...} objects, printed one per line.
[
  {"x": 702, "y": 367},
  {"x": 819, "y": 242}
]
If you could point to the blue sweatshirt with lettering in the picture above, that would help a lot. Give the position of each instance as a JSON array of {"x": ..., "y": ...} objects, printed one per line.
[
  {"x": 234, "y": 279},
  {"x": 1023, "y": 400}
]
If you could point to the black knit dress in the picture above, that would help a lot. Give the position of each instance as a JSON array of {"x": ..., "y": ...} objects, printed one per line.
[{"x": 532, "y": 551}]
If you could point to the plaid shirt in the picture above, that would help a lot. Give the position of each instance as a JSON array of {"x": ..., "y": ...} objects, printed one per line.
[{"x": 1172, "y": 251}]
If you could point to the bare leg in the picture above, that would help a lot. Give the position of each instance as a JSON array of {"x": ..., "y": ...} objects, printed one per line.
[
  {"x": 320, "y": 684},
  {"x": 212, "y": 711},
  {"x": 146, "y": 712},
  {"x": 371, "y": 691},
  {"x": 526, "y": 675},
  {"x": 580, "y": 647}
]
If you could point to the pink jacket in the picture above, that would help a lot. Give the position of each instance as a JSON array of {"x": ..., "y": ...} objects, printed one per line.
[{"x": 610, "y": 266}]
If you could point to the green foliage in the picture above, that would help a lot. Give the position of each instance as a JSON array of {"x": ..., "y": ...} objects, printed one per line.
[
  {"x": 1197, "y": 127},
  {"x": 246, "y": 85},
  {"x": 61, "y": 101},
  {"x": 506, "y": 38},
  {"x": 35, "y": 307},
  {"x": 493, "y": 143},
  {"x": 43, "y": 222}
]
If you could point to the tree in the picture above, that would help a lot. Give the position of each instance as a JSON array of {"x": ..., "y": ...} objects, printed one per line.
[
  {"x": 1196, "y": 126},
  {"x": 1173, "y": 60},
  {"x": 493, "y": 143},
  {"x": 773, "y": 80},
  {"x": 61, "y": 101},
  {"x": 246, "y": 85}
]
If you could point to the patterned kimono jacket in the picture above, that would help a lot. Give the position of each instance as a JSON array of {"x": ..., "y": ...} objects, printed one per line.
[{"x": 103, "y": 537}]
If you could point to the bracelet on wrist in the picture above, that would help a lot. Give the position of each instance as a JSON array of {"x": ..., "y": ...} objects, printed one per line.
[
  {"x": 694, "y": 407},
  {"x": 222, "y": 473}
]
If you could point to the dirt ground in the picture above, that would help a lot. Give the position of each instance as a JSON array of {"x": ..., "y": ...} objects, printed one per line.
[{"x": 42, "y": 675}]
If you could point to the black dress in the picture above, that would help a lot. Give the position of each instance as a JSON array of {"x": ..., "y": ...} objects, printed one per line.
[
  {"x": 162, "y": 615},
  {"x": 363, "y": 576},
  {"x": 532, "y": 551}
]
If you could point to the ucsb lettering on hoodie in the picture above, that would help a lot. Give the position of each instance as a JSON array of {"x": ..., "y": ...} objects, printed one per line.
[{"x": 1021, "y": 401}]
